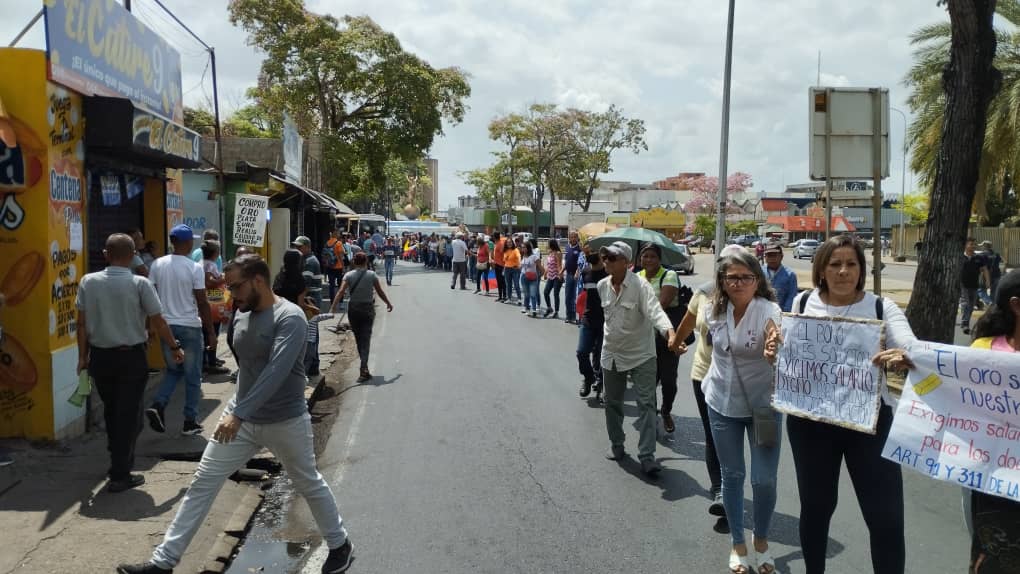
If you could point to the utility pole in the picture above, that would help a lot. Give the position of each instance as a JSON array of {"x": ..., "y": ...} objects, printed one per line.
[{"x": 724, "y": 140}]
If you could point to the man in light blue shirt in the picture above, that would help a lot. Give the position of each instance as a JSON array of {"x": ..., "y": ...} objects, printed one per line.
[{"x": 781, "y": 277}]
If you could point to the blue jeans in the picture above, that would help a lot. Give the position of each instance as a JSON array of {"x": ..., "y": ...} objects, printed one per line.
[
  {"x": 531, "y": 294},
  {"x": 291, "y": 442},
  {"x": 570, "y": 293},
  {"x": 472, "y": 267},
  {"x": 390, "y": 264},
  {"x": 193, "y": 343},
  {"x": 513, "y": 282},
  {"x": 728, "y": 434}
]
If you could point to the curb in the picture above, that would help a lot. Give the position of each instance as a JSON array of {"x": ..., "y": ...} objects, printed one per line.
[{"x": 233, "y": 534}]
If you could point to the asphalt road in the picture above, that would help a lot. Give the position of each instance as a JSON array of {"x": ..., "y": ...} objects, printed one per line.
[{"x": 472, "y": 453}]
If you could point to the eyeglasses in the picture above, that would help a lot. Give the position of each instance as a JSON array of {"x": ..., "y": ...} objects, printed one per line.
[
  {"x": 236, "y": 286},
  {"x": 735, "y": 280}
]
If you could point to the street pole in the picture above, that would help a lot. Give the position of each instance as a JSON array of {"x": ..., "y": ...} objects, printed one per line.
[
  {"x": 828, "y": 164},
  {"x": 903, "y": 185},
  {"x": 876, "y": 173},
  {"x": 724, "y": 140}
]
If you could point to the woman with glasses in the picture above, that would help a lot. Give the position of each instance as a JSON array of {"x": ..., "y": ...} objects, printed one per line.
[
  {"x": 819, "y": 449},
  {"x": 512, "y": 271},
  {"x": 744, "y": 323}
]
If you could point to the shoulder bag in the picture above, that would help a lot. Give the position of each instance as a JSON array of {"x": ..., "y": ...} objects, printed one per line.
[{"x": 766, "y": 427}]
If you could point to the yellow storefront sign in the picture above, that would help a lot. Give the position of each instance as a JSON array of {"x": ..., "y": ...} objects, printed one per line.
[{"x": 42, "y": 188}]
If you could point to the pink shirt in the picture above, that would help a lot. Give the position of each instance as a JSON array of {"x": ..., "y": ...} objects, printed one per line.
[
  {"x": 1001, "y": 344},
  {"x": 552, "y": 265}
]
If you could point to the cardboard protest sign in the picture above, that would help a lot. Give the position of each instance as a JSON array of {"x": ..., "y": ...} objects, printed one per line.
[
  {"x": 824, "y": 372},
  {"x": 250, "y": 219},
  {"x": 959, "y": 418}
]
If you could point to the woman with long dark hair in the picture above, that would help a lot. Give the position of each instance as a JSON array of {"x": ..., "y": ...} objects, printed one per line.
[
  {"x": 995, "y": 541},
  {"x": 289, "y": 282},
  {"x": 553, "y": 278}
]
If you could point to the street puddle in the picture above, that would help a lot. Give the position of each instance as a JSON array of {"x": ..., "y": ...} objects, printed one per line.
[{"x": 263, "y": 550}]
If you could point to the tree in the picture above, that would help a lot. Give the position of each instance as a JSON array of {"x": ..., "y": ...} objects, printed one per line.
[
  {"x": 970, "y": 81},
  {"x": 704, "y": 225},
  {"x": 251, "y": 121},
  {"x": 1000, "y": 160},
  {"x": 200, "y": 120},
  {"x": 706, "y": 192},
  {"x": 914, "y": 208},
  {"x": 598, "y": 135},
  {"x": 509, "y": 130},
  {"x": 351, "y": 82},
  {"x": 493, "y": 185}
]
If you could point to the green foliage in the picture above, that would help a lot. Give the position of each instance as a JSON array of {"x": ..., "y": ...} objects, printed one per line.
[
  {"x": 744, "y": 227},
  {"x": 350, "y": 81},
  {"x": 200, "y": 120},
  {"x": 597, "y": 136},
  {"x": 914, "y": 208},
  {"x": 704, "y": 225}
]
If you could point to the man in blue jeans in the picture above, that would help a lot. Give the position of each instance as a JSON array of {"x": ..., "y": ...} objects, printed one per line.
[
  {"x": 389, "y": 252},
  {"x": 269, "y": 410},
  {"x": 180, "y": 283},
  {"x": 571, "y": 259}
]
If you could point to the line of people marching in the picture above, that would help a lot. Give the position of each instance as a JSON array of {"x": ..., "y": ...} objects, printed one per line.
[{"x": 636, "y": 317}]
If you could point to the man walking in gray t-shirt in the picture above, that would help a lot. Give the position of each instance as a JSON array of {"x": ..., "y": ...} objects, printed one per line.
[{"x": 269, "y": 410}]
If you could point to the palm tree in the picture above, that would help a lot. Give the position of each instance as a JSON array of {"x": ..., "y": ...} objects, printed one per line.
[{"x": 1000, "y": 159}]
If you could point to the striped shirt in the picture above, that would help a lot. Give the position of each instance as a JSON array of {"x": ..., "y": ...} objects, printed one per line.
[{"x": 312, "y": 334}]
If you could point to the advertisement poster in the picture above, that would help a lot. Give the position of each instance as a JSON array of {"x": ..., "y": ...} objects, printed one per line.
[
  {"x": 97, "y": 47},
  {"x": 824, "y": 372},
  {"x": 959, "y": 418},
  {"x": 250, "y": 220},
  {"x": 174, "y": 199}
]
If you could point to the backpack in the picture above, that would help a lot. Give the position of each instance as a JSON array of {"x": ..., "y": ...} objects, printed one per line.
[
  {"x": 329, "y": 256},
  {"x": 879, "y": 306}
]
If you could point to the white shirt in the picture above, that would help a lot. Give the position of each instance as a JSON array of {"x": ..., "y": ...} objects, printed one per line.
[
  {"x": 176, "y": 278},
  {"x": 459, "y": 251},
  {"x": 898, "y": 334},
  {"x": 742, "y": 345},
  {"x": 632, "y": 318}
]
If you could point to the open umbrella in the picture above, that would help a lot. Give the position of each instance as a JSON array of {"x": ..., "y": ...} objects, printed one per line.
[{"x": 636, "y": 237}]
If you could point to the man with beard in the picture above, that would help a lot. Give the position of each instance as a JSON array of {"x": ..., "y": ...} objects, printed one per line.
[{"x": 269, "y": 410}]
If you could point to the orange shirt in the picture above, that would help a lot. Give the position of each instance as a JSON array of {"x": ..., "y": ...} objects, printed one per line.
[
  {"x": 338, "y": 252},
  {"x": 497, "y": 253},
  {"x": 512, "y": 258}
]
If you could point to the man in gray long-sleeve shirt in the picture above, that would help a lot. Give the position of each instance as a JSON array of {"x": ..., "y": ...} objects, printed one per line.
[{"x": 268, "y": 410}]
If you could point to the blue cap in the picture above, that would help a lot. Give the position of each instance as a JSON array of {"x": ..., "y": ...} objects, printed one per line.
[{"x": 181, "y": 233}]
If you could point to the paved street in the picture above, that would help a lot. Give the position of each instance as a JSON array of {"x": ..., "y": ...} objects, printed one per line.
[{"x": 471, "y": 452}]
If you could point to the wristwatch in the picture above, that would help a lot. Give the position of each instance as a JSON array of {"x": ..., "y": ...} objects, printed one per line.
[{"x": 177, "y": 346}]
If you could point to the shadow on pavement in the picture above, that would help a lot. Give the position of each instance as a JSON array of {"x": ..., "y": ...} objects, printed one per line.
[{"x": 127, "y": 506}]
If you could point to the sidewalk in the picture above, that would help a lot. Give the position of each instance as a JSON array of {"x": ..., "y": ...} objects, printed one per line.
[{"x": 57, "y": 516}]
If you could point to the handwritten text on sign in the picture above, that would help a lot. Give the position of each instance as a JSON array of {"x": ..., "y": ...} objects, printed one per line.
[
  {"x": 250, "y": 219},
  {"x": 959, "y": 418},
  {"x": 825, "y": 372}
]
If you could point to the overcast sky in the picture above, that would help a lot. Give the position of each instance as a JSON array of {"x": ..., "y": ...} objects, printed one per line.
[{"x": 660, "y": 60}]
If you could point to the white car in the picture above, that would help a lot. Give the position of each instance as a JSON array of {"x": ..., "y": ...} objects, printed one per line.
[
  {"x": 805, "y": 249},
  {"x": 686, "y": 268}
]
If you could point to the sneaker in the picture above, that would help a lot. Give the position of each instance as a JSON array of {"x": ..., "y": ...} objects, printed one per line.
[
  {"x": 616, "y": 452},
  {"x": 650, "y": 467},
  {"x": 534, "y": 314},
  {"x": 547, "y": 313},
  {"x": 339, "y": 559},
  {"x": 147, "y": 568},
  {"x": 191, "y": 428},
  {"x": 477, "y": 291},
  {"x": 123, "y": 484},
  {"x": 215, "y": 370},
  {"x": 155, "y": 416},
  {"x": 451, "y": 286},
  {"x": 717, "y": 508},
  {"x": 585, "y": 388},
  {"x": 365, "y": 376},
  {"x": 556, "y": 315},
  {"x": 525, "y": 310}
]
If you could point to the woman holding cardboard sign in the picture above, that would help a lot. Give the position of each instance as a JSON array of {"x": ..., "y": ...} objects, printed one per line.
[
  {"x": 743, "y": 321},
  {"x": 819, "y": 449}
]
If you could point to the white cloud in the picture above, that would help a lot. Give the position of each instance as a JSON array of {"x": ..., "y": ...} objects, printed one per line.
[{"x": 658, "y": 59}]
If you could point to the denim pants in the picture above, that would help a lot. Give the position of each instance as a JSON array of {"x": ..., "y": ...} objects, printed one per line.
[
  {"x": 728, "y": 433},
  {"x": 589, "y": 351},
  {"x": 968, "y": 300},
  {"x": 390, "y": 264},
  {"x": 553, "y": 287},
  {"x": 711, "y": 458},
  {"x": 291, "y": 441},
  {"x": 513, "y": 282},
  {"x": 819, "y": 451},
  {"x": 193, "y": 344},
  {"x": 472, "y": 266},
  {"x": 643, "y": 377},
  {"x": 531, "y": 294},
  {"x": 312, "y": 355},
  {"x": 570, "y": 294}
]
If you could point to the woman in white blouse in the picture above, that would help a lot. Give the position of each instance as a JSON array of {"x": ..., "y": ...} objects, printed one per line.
[
  {"x": 743, "y": 321},
  {"x": 819, "y": 449}
]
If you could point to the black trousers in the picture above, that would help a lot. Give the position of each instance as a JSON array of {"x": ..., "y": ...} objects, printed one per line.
[
  {"x": 500, "y": 281},
  {"x": 362, "y": 317},
  {"x": 818, "y": 451},
  {"x": 711, "y": 458},
  {"x": 667, "y": 362},
  {"x": 120, "y": 376}
]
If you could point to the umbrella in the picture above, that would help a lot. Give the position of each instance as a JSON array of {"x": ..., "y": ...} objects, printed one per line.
[
  {"x": 636, "y": 237},
  {"x": 594, "y": 229}
]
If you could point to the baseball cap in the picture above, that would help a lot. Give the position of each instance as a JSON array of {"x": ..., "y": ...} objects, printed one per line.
[
  {"x": 181, "y": 232},
  {"x": 618, "y": 248},
  {"x": 301, "y": 240},
  {"x": 773, "y": 248},
  {"x": 986, "y": 242}
]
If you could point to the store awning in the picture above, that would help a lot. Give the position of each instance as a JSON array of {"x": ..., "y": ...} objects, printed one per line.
[
  {"x": 318, "y": 200},
  {"x": 129, "y": 133}
]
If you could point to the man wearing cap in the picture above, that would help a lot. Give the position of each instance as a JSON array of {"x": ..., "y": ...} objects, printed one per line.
[
  {"x": 781, "y": 277},
  {"x": 313, "y": 270},
  {"x": 180, "y": 283},
  {"x": 459, "y": 250},
  {"x": 633, "y": 316}
]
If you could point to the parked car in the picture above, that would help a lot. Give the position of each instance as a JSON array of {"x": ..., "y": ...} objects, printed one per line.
[
  {"x": 805, "y": 249},
  {"x": 794, "y": 244},
  {"x": 744, "y": 240},
  {"x": 686, "y": 268}
]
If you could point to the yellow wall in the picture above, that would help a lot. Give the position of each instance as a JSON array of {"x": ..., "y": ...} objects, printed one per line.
[{"x": 40, "y": 267}]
